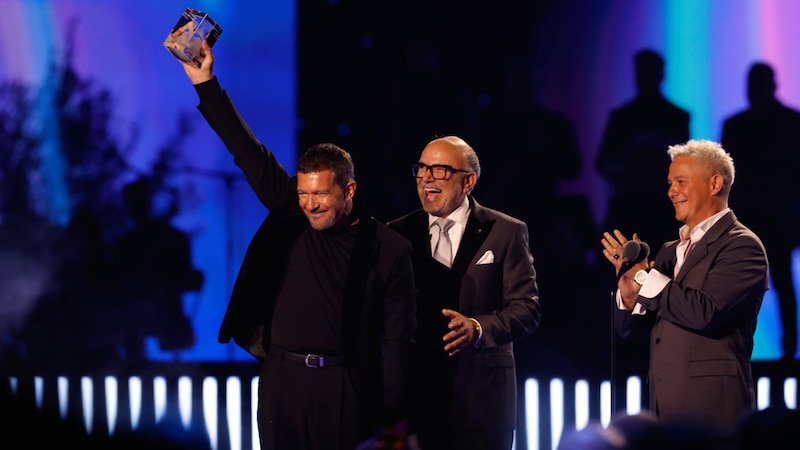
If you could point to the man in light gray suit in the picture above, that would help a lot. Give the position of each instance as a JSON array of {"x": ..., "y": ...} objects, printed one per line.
[
  {"x": 699, "y": 300},
  {"x": 477, "y": 295}
]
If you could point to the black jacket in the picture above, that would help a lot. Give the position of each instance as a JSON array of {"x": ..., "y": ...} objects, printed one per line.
[{"x": 379, "y": 307}]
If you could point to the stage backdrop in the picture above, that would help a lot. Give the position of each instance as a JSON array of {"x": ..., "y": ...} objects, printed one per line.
[{"x": 584, "y": 55}]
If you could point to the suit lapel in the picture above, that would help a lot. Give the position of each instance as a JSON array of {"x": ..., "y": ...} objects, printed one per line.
[
  {"x": 476, "y": 231},
  {"x": 700, "y": 249}
]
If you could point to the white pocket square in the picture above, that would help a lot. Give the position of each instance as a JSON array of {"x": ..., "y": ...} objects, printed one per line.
[{"x": 487, "y": 258}]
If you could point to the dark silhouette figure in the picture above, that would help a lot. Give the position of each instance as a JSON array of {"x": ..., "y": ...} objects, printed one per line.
[
  {"x": 74, "y": 324},
  {"x": 529, "y": 151},
  {"x": 154, "y": 265},
  {"x": 644, "y": 431},
  {"x": 633, "y": 154},
  {"x": 632, "y": 157},
  {"x": 775, "y": 428},
  {"x": 764, "y": 140},
  {"x": 421, "y": 78}
]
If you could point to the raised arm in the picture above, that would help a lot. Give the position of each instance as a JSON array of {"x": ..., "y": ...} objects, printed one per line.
[{"x": 266, "y": 176}]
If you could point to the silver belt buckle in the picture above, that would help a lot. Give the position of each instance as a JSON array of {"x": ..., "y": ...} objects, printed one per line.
[{"x": 314, "y": 361}]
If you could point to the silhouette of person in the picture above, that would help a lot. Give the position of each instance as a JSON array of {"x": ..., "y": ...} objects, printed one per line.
[
  {"x": 421, "y": 78},
  {"x": 533, "y": 150},
  {"x": 633, "y": 153},
  {"x": 154, "y": 265},
  {"x": 73, "y": 325},
  {"x": 774, "y": 427},
  {"x": 764, "y": 139},
  {"x": 528, "y": 142}
]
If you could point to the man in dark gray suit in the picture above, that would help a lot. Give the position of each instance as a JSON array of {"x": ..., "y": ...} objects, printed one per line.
[
  {"x": 477, "y": 294},
  {"x": 699, "y": 300}
]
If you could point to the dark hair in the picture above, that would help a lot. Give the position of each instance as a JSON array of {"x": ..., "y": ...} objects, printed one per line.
[{"x": 327, "y": 156}]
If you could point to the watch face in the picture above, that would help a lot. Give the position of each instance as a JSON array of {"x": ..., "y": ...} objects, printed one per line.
[{"x": 640, "y": 276}]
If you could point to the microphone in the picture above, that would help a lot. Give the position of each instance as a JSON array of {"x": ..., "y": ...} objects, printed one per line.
[
  {"x": 643, "y": 253},
  {"x": 633, "y": 252}
]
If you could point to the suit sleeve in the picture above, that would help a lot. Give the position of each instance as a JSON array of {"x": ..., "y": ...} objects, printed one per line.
[
  {"x": 400, "y": 325},
  {"x": 521, "y": 311},
  {"x": 716, "y": 293}
]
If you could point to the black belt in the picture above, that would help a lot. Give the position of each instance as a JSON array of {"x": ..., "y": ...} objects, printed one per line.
[{"x": 309, "y": 359}]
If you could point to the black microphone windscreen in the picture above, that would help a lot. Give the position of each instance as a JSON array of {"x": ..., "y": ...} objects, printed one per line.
[
  {"x": 630, "y": 251},
  {"x": 645, "y": 252}
]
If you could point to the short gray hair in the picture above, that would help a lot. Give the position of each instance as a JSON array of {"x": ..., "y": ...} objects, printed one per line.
[{"x": 711, "y": 155}]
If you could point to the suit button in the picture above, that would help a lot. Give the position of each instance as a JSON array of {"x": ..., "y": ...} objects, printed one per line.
[{"x": 658, "y": 340}]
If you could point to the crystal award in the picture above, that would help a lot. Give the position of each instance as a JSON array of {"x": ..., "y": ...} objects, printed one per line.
[{"x": 185, "y": 38}]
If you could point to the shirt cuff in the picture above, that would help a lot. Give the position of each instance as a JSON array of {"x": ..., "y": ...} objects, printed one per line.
[{"x": 653, "y": 285}]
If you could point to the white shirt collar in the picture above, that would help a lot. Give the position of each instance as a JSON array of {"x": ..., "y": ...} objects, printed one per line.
[
  {"x": 459, "y": 215},
  {"x": 701, "y": 228}
]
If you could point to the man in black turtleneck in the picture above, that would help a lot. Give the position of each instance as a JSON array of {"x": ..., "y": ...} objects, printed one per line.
[{"x": 325, "y": 297}]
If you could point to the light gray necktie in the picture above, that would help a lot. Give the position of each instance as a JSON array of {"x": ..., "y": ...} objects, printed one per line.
[{"x": 444, "y": 248}]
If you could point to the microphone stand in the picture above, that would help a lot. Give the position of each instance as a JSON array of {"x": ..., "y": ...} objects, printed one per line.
[
  {"x": 633, "y": 252},
  {"x": 612, "y": 345},
  {"x": 613, "y": 339}
]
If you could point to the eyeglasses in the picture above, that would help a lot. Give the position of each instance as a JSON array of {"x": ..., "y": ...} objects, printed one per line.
[{"x": 438, "y": 171}]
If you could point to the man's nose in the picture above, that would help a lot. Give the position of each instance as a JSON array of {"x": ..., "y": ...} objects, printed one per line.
[{"x": 310, "y": 203}]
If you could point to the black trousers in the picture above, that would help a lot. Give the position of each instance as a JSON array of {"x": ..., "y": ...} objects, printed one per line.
[{"x": 303, "y": 408}]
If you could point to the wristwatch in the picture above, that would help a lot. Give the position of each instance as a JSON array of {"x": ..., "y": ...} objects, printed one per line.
[{"x": 640, "y": 276}]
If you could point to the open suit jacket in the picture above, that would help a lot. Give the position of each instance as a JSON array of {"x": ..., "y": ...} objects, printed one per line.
[
  {"x": 479, "y": 383},
  {"x": 701, "y": 327},
  {"x": 379, "y": 299}
]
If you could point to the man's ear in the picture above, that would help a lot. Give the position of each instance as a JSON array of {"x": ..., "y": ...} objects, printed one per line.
[
  {"x": 716, "y": 183},
  {"x": 469, "y": 182},
  {"x": 349, "y": 190}
]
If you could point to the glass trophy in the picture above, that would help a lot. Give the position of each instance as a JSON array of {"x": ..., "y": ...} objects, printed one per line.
[{"x": 185, "y": 38}]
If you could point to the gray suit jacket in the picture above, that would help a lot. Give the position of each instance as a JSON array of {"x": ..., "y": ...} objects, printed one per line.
[
  {"x": 701, "y": 327},
  {"x": 502, "y": 295}
]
